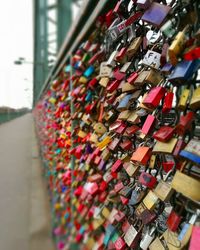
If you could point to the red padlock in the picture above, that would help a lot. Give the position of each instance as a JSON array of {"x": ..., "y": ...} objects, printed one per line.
[
  {"x": 185, "y": 123},
  {"x": 168, "y": 100},
  {"x": 164, "y": 134},
  {"x": 173, "y": 221},
  {"x": 154, "y": 97},
  {"x": 116, "y": 166},
  {"x": 147, "y": 180},
  {"x": 131, "y": 79},
  {"x": 148, "y": 124}
]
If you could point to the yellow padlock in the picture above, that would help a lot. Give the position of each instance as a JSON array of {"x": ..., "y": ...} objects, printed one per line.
[
  {"x": 106, "y": 212},
  {"x": 52, "y": 100},
  {"x": 83, "y": 80},
  {"x": 177, "y": 47},
  {"x": 182, "y": 104},
  {"x": 104, "y": 142},
  {"x": 195, "y": 100},
  {"x": 82, "y": 134}
]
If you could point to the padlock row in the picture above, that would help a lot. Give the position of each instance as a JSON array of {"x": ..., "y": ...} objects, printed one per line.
[{"x": 119, "y": 131}]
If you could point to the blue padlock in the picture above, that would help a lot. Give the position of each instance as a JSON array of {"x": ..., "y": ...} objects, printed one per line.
[
  {"x": 89, "y": 71},
  {"x": 184, "y": 71},
  {"x": 88, "y": 97},
  {"x": 192, "y": 151}
]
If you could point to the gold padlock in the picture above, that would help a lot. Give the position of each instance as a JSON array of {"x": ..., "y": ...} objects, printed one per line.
[
  {"x": 90, "y": 243},
  {"x": 93, "y": 138},
  {"x": 104, "y": 81},
  {"x": 127, "y": 87},
  {"x": 124, "y": 115},
  {"x": 165, "y": 147},
  {"x": 105, "y": 212},
  {"x": 133, "y": 117},
  {"x": 177, "y": 47},
  {"x": 104, "y": 142},
  {"x": 99, "y": 128},
  {"x": 182, "y": 104},
  {"x": 153, "y": 77},
  {"x": 97, "y": 223},
  {"x": 186, "y": 185},
  {"x": 134, "y": 46},
  {"x": 82, "y": 134},
  {"x": 195, "y": 100},
  {"x": 83, "y": 80},
  {"x": 150, "y": 200}
]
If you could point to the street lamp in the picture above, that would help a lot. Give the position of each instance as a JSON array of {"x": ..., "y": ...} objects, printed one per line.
[{"x": 21, "y": 60}]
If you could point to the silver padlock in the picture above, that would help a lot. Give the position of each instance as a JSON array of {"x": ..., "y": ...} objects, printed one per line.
[
  {"x": 152, "y": 59},
  {"x": 105, "y": 70},
  {"x": 111, "y": 60},
  {"x": 147, "y": 239}
]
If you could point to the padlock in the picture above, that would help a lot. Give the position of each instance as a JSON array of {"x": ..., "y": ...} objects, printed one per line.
[
  {"x": 132, "y": 77},
  {"x": 147, "y": 180},
  {"x": 131, "y": 169},
  {"x": 180, "y": 183},
  {"x": 174, "y": 219},
  {"x": 123, "y": 105},
  {"x": 165, "y": 147},
  {"x": 168, "y": 101},
  {"x": 183, "y": 71},
  {"x": 154, "y": 97},
  {"x": 144, "y": 214},
  {"x": 156, "y": 14},
  {"x": 133, "y": 117},
  {"x": 140, "y": 79},
  {"x": 134, "y": 47},
  {"x": 137, "y": 195},
  {"x": 194, "y": 242},
  {"x": 105, "y": 70},
  {"x": 147, "y": 239},
  {"x": 118, "y": 75},
  {"x": 144, "y": 4},
  {"x": 148, "y": 124},
  {"x": 195, "y": 100},
  {"x": 133, "y": 235},
  {"x": 100, "y": 128},
  {"x": 185, "y": 123},
  {"x": 151, "y": 200},
  {"x": 168, "y": 28},
  {"x": 177, "y": 47},
  {"x": 157, "y": 245},
  {"x": 120, "y": 244},
  {"x": 114, "y": 144},
  {"x": 141, "y": 155},
  {"x": 164, "y": 134},
  {"x": 164, "y": 190},
  {"x": 153, "y": 78},
  {"x": 182, "y": 104},
  {"x": 152, "y": 59},
  {"x": 192, "y": 151}
]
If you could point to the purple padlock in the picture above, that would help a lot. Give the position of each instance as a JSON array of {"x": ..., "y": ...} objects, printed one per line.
[{"x": 156, "y": 14}]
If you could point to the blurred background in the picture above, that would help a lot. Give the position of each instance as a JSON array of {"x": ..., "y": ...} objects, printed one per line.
[{"x": 28, "y": 26}]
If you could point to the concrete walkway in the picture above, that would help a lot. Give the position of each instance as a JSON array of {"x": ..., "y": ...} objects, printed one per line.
[{"x": 24, "y": 208}]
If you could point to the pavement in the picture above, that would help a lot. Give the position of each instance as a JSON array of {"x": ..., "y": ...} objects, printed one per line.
[{"x": 24, "y": 206}]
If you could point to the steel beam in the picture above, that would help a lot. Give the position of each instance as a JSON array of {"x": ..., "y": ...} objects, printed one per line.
[{"x": 64, "y": 18}]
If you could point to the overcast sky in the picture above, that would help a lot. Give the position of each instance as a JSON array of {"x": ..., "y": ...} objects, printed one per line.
[{"x": 16, "y": 40}]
